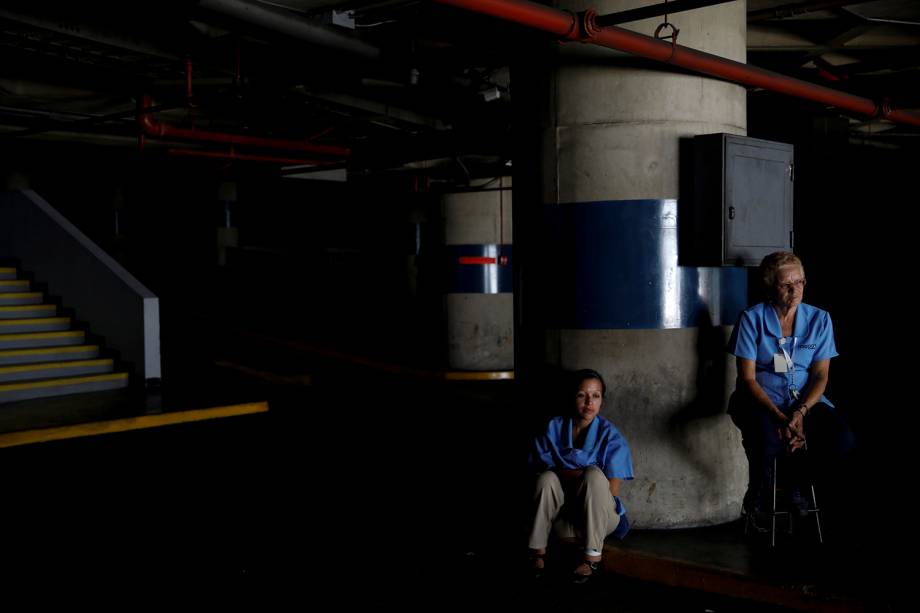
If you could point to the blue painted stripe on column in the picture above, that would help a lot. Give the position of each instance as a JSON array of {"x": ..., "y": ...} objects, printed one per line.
[
  {"x": 613, "y": 264},
  {"x": 478, "y": 278}
]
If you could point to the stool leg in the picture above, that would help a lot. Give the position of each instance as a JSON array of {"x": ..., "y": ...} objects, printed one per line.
[
  {"x": 814, "y": 501},
  {"x": 773, "y": 514}
]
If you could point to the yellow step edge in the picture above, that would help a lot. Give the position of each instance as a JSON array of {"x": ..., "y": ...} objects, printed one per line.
[
  {"x": 14, "y": 282},
  {"x": 41, "y": 335},
  {"x": 42, "y": 350},
  {"x": 11, "y": 387},
  {"x": 125, "y": 424},
  {"x": 12, "y": 308},
  {"x": 33, "y": 320},
  {"x": 49, "y": 365},
  {"x": 20, "y": 295},
  {"x": 2, "y": 269}
]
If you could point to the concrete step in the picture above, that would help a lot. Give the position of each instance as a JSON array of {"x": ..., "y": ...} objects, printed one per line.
[
  {"x": 10, "y": 392},
  {"x": 13, "y": 286},
  {"x": 27, "y": 311},
  {"x": 48, "y": 354},
  {"x": 41, "y": 339},
  {"x": 7, "y": 273},
  {"x": 41, "y": 324},
  {"x": 48, "y": 370},
  {"x": 16, "y": 298}
]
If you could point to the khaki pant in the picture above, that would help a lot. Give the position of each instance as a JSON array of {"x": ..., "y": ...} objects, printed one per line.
[{"x": 585, "y": 511}]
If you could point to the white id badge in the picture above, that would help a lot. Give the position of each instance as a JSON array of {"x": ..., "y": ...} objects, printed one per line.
[{"x": 779, "y": 363}]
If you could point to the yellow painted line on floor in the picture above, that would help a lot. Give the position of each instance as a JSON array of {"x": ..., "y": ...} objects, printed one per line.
[
  {"x": 10, "y": 353},
  {"x": 50, "y": 365},
  {"x": 41, "y": 335},
  {"x": 9, "y": 387},
  {"x": 34, "y": 321},
  {"x": 27, "y": 307},
  {"x": 44, "y": 435},
  {"x": 464, "y": 375}
]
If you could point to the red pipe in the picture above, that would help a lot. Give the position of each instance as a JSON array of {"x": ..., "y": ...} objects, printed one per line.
[
  {"x": 583, "y": 28},
  {"x": 245, "y": 157},
  {"x": 188, "y": 78},
  {"x": 152, "y": 127}
]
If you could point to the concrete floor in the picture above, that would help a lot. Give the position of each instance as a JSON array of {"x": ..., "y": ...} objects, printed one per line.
[{"x": 372, "y": 490}]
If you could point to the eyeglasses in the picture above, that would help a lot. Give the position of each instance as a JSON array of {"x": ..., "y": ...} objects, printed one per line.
[{"x": 798, "y": 283}]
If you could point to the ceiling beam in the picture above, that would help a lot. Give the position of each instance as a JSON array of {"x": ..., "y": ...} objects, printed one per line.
[
  {"x": 654, "y": 10},
  {"x": 797, "y": 8}
]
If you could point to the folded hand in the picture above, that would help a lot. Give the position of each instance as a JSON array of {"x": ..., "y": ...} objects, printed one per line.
[{"x": 796, "y": 442}]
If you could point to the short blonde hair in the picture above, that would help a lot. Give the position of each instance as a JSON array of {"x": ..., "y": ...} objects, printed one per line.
[{"x": 770, "y": 265}]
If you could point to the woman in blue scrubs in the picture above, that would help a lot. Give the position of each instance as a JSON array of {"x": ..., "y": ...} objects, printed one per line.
[
  {"x": 581, "y": 459},
  {"x": 783, "y": 349}
]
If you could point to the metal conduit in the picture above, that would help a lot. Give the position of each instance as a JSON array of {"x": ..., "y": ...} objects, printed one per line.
[
  {"x": 244, "y": 157},
  {"x": 290, "y": 24},
  {"x": 151, "y": 127},
  {"x": 583, "y": 28}
]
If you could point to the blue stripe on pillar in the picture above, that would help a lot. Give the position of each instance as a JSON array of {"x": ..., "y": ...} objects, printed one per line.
[
  {"x": 476, "y": 278},
  {"x": 613, "y": 264}
]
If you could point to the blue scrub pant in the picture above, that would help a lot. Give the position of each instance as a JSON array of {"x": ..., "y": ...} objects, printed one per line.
[{"x": 830, "y": 442}]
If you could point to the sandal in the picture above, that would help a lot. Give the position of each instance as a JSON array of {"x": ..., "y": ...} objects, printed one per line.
[{"x": 591, "y": 566}]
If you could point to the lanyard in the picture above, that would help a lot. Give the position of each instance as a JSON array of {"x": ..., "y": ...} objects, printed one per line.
[{"x": 790, "y": 364}]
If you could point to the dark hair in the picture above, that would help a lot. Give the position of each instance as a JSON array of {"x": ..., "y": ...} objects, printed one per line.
[{"x": 585, "y": 374}]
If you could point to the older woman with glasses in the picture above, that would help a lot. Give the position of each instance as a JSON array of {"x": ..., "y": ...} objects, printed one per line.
[
  {"x": 783, "y": 349},
  {"x": 581, "y": 461}
]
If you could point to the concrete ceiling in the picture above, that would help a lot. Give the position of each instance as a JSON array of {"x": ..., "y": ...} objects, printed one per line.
[{"x": 398, "y": 81}]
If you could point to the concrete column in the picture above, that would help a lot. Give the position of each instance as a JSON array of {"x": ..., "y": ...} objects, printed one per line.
[
  {"x": 479, "y": 302},
  {"x": 654, "y": 329}
]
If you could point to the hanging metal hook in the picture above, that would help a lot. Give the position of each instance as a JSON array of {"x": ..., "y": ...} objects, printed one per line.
[{"x": 672, "y": 36}]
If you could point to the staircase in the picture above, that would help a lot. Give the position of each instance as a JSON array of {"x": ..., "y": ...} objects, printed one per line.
[{"x": 40, "y": 355}]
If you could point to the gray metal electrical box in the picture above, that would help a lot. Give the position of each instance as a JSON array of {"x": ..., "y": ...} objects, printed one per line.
[{"x": 741, "y": 206}]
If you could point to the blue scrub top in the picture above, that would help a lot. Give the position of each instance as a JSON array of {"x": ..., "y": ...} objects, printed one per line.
[
  {"x": 604, "y": 447},
  {"x": 757, "y": 337}
]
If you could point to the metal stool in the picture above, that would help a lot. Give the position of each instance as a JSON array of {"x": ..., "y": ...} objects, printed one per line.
[{"x": 813, "y": 508}]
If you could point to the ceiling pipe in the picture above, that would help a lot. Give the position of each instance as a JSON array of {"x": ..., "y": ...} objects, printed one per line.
[
  {"x": 245, "y": 157},
  {"x": 582, "y": 27},
  {"x": 188, "y": 81},
  {"x": 151, "y": 127},
  {"x": 113, "y": 36},
  {"x": 290, "y": 24},
  {"x": 55, "y": 120}
]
